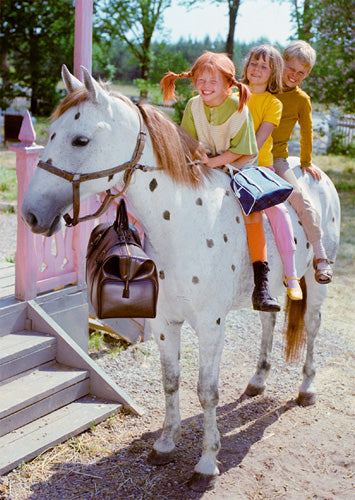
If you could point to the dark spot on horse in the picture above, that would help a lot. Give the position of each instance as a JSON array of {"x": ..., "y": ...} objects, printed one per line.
[
  {"x": 161, "y": 275},
  {"x": 53, "y": 136},
  {"x": 166, "y": 215},
  {"x": 210, "y": 243},
  {"x": 179, "y": 355},
  {"x": 195, "y": 280},
  {"x": 333, "y": 219},
  {"x": 299, "y": 222},
  {"x": 218, "y": 321},
  {"x": 295, "y": 240},
  {"x": 153, "y": 184},
  {"x": 110, "y": 177},
  {"x": 233, "y": 267},
  {"x": 199, "y": 201},
  {"x": 227, "y": 193},
  {"x": 264, "y": 365},
  {"x": 225, "y": 237},
  {"x": 77, "y": 116},
  {"x": 238, "y": 220},
  {"x": 162, "y": 336},
  {"x": 307, "y": 244}
]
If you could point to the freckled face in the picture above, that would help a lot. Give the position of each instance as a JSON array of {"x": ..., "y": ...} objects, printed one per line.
[
  {"x": 259, "y": 71},
  {"x": 294, "y": 73},
  {"x": 212, "y": 87}
]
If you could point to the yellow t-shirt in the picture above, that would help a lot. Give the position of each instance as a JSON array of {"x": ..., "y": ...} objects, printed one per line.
[
  {"x": 265, "y": 107},
  {"x": 296, "y": 108}
]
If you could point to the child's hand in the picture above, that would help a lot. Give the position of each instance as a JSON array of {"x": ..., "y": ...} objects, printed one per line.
[
  {"x": 205, "y": 159},
  {"x": 315, "y": 172}
]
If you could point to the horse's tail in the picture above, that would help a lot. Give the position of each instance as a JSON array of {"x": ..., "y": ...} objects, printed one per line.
[{"x": 294, "y": 332}]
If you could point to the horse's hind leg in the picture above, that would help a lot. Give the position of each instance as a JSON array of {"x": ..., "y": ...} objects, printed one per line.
[
  {"x": 257, "y": 383},
  {"x": 210, "y": 351},
  {"x": 167, "y": 336},
  {"x": 316, "y": 294}
]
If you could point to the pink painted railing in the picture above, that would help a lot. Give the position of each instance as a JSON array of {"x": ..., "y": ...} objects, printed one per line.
[{"x": 44, "y": 264}]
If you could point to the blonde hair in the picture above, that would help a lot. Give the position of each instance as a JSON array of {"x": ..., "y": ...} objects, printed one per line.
[
  {"x": 212, "y": 62},
  {"x": 276, "y": 63},
  {"x": 301, "y": 51}
]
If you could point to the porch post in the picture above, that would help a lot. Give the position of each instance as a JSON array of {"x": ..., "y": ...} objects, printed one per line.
[
  {"x": 27, "y": 155},
  {"x": 83, "y": 36},
  {"x": 82, "y": 57}
]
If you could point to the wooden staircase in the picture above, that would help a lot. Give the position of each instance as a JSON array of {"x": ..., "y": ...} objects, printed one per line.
[{"x": 50, "y": 389}]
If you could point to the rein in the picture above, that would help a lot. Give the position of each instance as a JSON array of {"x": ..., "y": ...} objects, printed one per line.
[{"x": 77, "y": 179}]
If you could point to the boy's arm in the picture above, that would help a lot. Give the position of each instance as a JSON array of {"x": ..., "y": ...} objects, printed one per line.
[{"x": 306, "y": 131}]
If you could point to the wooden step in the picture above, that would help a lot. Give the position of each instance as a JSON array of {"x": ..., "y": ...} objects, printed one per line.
[
  {"x": 23, "y": 350},
  {"x": 26, "y": 397},
  {"x": 32, "y": 439}
]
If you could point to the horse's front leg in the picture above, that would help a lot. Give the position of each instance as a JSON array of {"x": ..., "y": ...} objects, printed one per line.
[
  {"x": 316, "y": 294},
  {"x": 257, "y": 383},
  {"x": 210, "y": 352},
  {"x": 167, "y": 336}
]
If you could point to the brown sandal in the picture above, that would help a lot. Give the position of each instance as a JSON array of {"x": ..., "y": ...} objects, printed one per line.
[{"x": 325, "y": 275}]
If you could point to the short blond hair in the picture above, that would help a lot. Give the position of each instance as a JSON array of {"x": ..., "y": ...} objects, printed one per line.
[{"x": 301, "y": 51}]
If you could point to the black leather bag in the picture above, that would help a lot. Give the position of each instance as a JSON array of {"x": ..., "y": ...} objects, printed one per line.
[{"x": 122, "y": 280}]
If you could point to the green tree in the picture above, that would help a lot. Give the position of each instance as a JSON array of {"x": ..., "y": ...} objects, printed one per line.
[
  {"x": 134, "y": 22},
  {"x": 328, "y": 25},
  {"x": 332, "y": 80},
  {"x": 36, "y": 36}
]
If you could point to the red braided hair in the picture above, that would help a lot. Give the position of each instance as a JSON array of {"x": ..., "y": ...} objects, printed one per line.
[{"x": 212, "y": 62}]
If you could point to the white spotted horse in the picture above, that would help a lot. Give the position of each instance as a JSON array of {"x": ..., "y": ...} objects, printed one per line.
[{"x": 194, "y": 232}]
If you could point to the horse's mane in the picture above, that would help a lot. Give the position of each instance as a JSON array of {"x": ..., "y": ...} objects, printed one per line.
[{"x": 175, "y": 149}]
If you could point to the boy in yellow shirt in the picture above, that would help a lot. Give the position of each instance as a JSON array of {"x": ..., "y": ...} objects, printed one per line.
[{"x": 299, "y": 58}]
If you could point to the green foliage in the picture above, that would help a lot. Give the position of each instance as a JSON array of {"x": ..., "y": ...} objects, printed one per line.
[
  {"x": 328, "y": 25},
  {"x": 339, "y": 146},
  {"x": 37, "y": 37},
  {"x": 132, "y": 21}
]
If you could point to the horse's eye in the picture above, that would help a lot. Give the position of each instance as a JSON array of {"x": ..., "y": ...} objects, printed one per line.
[{"x": 80, "y": 140}]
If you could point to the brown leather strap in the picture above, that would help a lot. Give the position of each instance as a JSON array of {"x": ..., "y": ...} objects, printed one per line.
[{"x": 77, "y": 178}]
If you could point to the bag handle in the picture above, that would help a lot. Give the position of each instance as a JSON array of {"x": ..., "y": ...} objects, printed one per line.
[
  {"x": 261, "y": 170},
  {"x": 121, "y": 221}
]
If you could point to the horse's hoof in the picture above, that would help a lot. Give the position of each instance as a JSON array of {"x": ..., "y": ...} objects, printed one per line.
[
  {"x": 306, "y": 399},
  {"x": 251, "y": 391},
  {"x": 202, "y": 482},
  {"x": 155, "y": 458}
]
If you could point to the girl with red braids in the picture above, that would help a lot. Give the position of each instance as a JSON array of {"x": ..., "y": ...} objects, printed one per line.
[{"x": 220, "y": 119}]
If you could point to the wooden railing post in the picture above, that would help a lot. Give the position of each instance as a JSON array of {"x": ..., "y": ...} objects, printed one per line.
[{"x": 27, "y": 155}]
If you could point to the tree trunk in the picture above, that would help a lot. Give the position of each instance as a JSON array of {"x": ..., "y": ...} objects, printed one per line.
[
  {"x": 307, "y": 19},
  {"x": 233, "y": 12}
]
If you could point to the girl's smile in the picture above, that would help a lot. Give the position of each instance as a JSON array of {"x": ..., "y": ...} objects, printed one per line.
[{"x": 212, "y": 87}]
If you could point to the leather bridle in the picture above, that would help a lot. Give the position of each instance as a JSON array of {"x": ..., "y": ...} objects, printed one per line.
[{"x": 76, "y": 179}]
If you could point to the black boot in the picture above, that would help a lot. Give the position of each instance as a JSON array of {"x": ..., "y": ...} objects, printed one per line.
[{"x": 262, "y": 300}]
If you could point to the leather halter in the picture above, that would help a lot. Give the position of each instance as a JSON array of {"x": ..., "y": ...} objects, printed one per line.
[{"x": 76, "y": 179}]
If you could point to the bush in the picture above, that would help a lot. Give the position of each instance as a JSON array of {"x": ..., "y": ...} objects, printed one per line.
[{"x": 338, "y": 145}]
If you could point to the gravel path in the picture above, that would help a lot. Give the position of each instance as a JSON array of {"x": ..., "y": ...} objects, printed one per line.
[{"x": 8, "y": 233}]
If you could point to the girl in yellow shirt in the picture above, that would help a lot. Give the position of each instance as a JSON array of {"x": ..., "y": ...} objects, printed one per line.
[{"x": 263, "y": 75}]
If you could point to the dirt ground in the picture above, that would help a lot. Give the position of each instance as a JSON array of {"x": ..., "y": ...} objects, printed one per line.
[{"x": 271, "y": 448}]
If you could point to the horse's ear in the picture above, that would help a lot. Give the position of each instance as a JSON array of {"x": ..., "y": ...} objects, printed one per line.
[
  {"x": 96, "y": 92},
  {"x": 71, "y": 83}
]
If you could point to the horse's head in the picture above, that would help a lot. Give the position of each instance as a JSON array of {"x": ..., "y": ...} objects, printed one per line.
[{"x": 91, "y": 132}]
